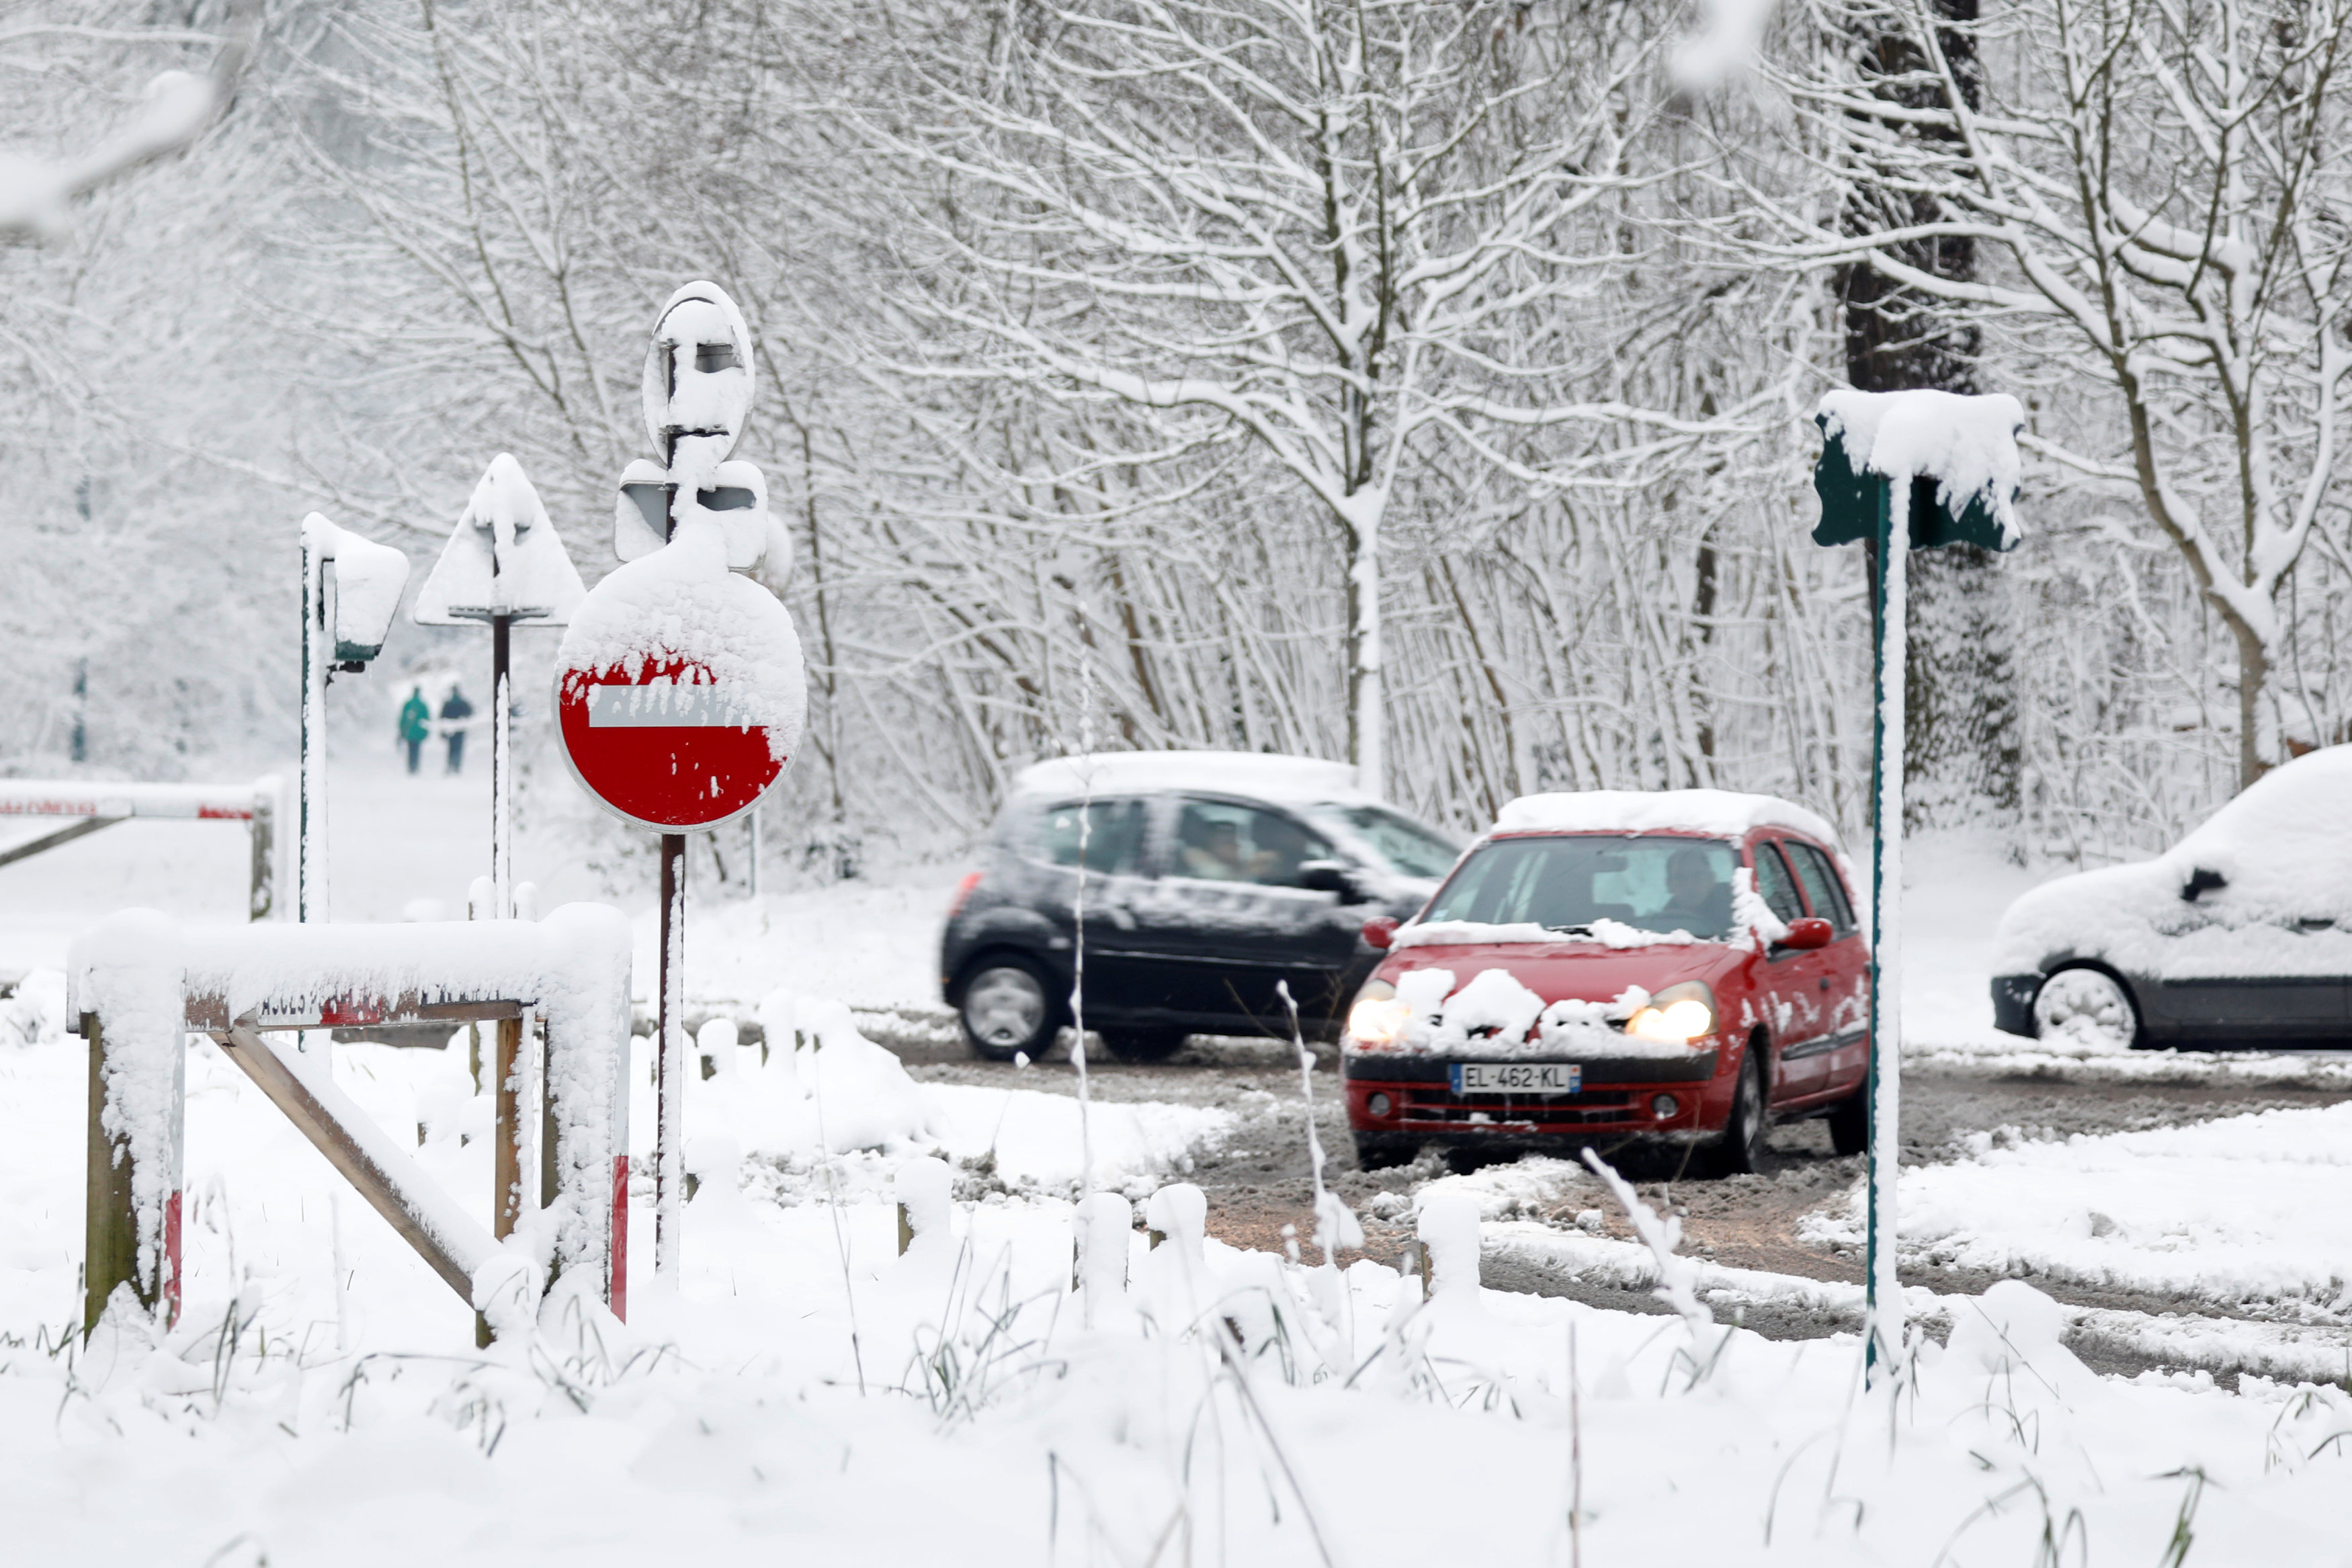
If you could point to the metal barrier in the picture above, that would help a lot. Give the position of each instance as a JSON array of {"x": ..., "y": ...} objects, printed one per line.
[
  {"x": 141, "y": 984},
  {"x": 99, "y": 806}
]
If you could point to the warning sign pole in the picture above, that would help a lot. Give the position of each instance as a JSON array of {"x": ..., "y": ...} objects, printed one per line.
[
  {"x": 669, "y": 1071},
  {"x": 669, "y": 722}
]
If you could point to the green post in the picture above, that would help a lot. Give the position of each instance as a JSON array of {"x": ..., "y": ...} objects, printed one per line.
[{"x": 1859, "y": 502}]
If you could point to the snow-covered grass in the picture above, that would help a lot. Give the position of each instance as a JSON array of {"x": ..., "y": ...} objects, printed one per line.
[
  {"x": 2253, "y": 1209},
  {"x": 803, "y": 1394}
]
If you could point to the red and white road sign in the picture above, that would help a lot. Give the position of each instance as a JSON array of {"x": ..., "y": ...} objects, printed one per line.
[{"x": 674, "y": 749}]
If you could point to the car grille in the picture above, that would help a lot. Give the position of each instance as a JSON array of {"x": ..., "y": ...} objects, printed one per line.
[{"x": 1427, "y": 1104}]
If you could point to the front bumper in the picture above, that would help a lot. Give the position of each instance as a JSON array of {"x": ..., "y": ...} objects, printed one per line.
[
  {"x": 2012, "y": 1004},
  {"x": 1617, "y": 1097}
]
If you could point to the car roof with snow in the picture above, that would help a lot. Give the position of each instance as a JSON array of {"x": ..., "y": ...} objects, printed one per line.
[
  {"x": 1723, "y": 813},
  {"x": 1258, "y": 774}
]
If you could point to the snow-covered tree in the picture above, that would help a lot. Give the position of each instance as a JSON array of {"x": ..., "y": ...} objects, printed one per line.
[
  {"x": 2158, "y": 191},
  {"x": 1352, "y": 232}
]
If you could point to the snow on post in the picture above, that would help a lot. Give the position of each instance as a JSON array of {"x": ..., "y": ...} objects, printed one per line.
[
  {"x": 142, "y": 983},
  {"x": 504, "y": 563},
  {"x": 368, "y": 579},
  {"x": 679, "y": 691},
  {"x": 1906, "y": 470},
  {"x": 504, "y": 558}
]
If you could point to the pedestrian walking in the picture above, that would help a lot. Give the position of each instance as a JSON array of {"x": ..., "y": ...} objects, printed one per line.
[
  {"x": 416, "y": 719},
  {"x": 455, "y": 712}
]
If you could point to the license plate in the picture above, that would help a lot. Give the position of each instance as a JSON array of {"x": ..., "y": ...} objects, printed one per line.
[{"x": 1517, "y": 1077}]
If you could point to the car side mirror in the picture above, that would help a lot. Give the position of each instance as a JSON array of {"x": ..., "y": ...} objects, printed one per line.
[
  {"x": 1327, "y": 877},
  {"x": 2201, "y": 881},
  {"x": 1807, "y": 934},
  {"x": 1380, "y": 931}
]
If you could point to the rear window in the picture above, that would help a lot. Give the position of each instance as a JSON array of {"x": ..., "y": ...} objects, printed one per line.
[
  {"x": 1113, "y": 831},
  {"x": 1407, "y": 846},
  {"x": 1567, "y": 881}
]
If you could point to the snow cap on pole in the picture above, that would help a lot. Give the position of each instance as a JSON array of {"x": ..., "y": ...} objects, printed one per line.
[
  {"x": 1956, "y": 456},
  {"x": 368, "y": 580},
  {"x": 504, "y": 558}
]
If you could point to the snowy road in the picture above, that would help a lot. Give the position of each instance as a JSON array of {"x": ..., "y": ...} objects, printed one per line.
[{"x": 1770, "y": 1225}]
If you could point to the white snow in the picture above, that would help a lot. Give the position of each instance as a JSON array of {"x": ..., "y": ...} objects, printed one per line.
[
  {"x": 682, "y": 603},
  {"x": 1968, "y": 445},
  {"x": 1718, "y": 813},
  {"x": 369, "y": 578},
  {"x": 2245, "y": 1208},
  {"x": 1729, "y": 32},
  {"x": 2285, "y": 847},
  {"x": 1292, "y": 780},
  {"x": 503, "y": 558}
]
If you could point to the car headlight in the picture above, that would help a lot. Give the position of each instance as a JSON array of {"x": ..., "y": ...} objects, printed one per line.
[
  {"x": 1377, "y": 1019},
  {"x": 1679, "y": 1014}
]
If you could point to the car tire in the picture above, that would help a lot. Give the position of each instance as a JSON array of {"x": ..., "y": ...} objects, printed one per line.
[
  {"x": 1008, "y": 1009},
  {"x": 1143, "y": 1044},
  {"x": 2087, "y": 1007},
  {"x": 1384, "y": 1151},
  {"x": 1849, "y": 1122},
  {"x": 1740, "y": 1149}
]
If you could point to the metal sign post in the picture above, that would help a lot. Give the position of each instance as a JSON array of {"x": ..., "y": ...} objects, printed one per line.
[
  {"x": 504, "y": 563},
  {"x": 366, "y": 583},
  {"x": 679, "y": 688},
  {"x": 1858, "y": 487}
]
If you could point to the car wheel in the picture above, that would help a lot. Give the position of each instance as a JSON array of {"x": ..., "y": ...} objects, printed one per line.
[
  {"x": 1850, "y": 1122},
  {"x": 1144, "y": 1044},
  {"x": 1008, "y": 1009},
  {"x": 1382, "y": 1151},
  {"x": 2087, "y": 1009},
  {"x": 1740, "y": 1151}
]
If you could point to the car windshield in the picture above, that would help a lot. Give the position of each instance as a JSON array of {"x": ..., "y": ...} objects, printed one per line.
[
  {"x": 1403, "y": 844},
  {"x": 1567, "y": 881}
]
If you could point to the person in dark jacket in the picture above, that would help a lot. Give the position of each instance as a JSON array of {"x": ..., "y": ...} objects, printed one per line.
[
  {"x": 415, "y": 721},
  {"x": 455, "y": 712}
]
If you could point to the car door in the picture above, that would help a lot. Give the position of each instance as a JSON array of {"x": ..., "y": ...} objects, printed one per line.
[
  {"x": 1225, "y": 921},
  {"x": 1840, "y": 971},
  {"x": 1795, "y": 1003},
  {"x": 1117, "y": 879}
]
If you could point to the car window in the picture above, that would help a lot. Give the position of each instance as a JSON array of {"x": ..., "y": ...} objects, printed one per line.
[
  {"x": 1216, "y": 841},
  {"x": 1568, "y": 881},
  {"x": 1774, "y": 885},
  {"x": 1822, "y": 889},
  {"x": 1114, "y": 836},
  {"x": 1413, "y": 848}
]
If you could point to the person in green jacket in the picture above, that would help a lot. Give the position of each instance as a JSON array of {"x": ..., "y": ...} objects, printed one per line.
[{"x": 415, "y": 724}]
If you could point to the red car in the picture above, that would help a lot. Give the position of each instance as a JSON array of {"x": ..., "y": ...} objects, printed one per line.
[{"x": 1606, "y": 965}]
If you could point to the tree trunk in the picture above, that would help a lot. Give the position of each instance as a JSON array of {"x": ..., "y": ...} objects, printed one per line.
[{"x": 1962, "y": 748}]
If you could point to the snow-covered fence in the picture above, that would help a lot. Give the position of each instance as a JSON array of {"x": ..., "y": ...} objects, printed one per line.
[
  {"x": 97, "y": 806},
  {"x": 142, "y": 983}
]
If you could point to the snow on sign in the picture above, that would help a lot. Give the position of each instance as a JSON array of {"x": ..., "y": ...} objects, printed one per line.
[{"x": 679, "y": 691}]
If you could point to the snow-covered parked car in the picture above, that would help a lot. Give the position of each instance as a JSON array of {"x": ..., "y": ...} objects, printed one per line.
[
  {"x": 1210, "y": 879},
  {"x": 2241, "y": 933},
  {"x": 1610, "y": 964}
]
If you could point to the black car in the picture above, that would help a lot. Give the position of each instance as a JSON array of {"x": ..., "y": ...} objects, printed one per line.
[{"x": 1210, "y": 880}]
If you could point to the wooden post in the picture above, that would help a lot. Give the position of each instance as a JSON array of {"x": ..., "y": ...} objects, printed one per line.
[
  {"x": 110, "y": 1235},
  {"x": 262, "y": 828},
  {"x": 906, "y": 1231},
  {"x": 507, "y": 1162},
  {"x": 379, "y": 1180}
]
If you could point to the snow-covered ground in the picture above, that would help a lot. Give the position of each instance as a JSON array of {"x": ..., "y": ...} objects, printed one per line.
[
  {"x": 803, "y": 1393},
  {"x": 807, "y": 1395}
]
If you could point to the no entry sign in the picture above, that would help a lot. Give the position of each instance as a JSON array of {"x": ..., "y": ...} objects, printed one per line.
[{"x": 679, "y": 692}]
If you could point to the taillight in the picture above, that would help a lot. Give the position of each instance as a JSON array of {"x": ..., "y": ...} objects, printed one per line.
[{"x": 964, "y": 891}]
